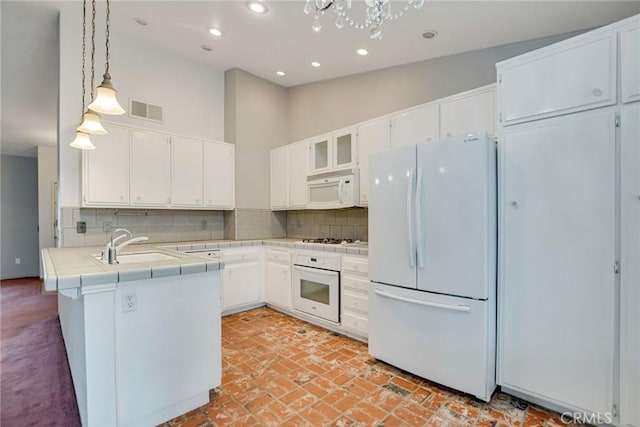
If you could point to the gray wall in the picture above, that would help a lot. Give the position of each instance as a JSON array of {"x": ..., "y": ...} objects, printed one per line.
[
  {"x": 19, "y": 217},
  {"x": 320, "y": 107},
  {"x": 47, "y": 176}
]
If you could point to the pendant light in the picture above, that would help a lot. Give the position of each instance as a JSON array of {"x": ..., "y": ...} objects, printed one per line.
[
  {"x": 82, "y": 140},
  {"x": 91, "y": 120},
  {"x": 105, "y": 101}
]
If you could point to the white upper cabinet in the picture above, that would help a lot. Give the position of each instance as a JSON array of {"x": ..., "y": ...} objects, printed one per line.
[
  {"x": 332, "y": 152},
  {"x": 106, "y": 169},
  {"x": 280, "y": 178},
  {"x": 298, "y": 162},
  {"x": 630, "y": 62},
  {"x": 373, "y": 138},
  {"x": 470, "y": 112},
  {"x": 415, "y": 126},
  {"x": 577, "y": 74},
  {"x": 186, "y": 171},
  {"x": 219, "y": 175},
  {"x": 150, "y": 169}
]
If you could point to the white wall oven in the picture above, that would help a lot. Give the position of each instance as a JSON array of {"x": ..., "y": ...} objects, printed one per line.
[{"x": 316, "y": 285}]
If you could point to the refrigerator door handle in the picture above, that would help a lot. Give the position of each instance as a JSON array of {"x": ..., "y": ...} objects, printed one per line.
[
  {"x": 419, "y": 219},
  {"x": 464, "y": 308},
  {"x": 410, "y": 235}
]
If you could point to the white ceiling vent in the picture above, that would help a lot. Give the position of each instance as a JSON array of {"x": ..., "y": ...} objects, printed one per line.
[{"x": 143, "y": 110}]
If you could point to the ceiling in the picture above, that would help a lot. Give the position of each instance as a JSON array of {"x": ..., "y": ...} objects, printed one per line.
[{"x": 282, "y": 40}]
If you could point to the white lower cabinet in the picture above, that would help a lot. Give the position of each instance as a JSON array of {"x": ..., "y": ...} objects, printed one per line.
[
  {"x": 557, "y": 283},
  {"x": 278, "y": 279},
  {"x": 355, "y": 295},
  {"x": 242, "y": 279}
]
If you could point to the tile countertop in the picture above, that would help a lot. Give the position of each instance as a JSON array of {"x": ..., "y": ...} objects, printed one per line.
[{"x": 66, "y": 268}]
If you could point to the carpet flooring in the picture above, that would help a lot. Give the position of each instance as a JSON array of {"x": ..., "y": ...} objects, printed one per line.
[{"x": 35, "y": 381}]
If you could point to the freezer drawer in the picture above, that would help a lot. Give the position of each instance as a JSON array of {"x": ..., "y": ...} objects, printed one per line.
[{"x": 448, "y": 340}]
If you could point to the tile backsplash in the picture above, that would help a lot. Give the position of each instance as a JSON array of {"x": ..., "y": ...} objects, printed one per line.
[
  {"x": 250, "y": 223},
  {"x": 339, "y": 224},
  {"x": 157, "y": 225}
]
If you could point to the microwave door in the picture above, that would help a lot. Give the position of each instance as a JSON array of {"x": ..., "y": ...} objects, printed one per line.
[{"x": 324, "y": 195}]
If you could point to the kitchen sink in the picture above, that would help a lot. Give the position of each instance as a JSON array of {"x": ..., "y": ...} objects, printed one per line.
[{"x": 142, "y": 257}]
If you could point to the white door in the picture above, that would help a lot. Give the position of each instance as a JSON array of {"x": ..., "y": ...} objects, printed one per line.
[
  {"x": 241, "y": 285},
  {"x": 468, "y": 114},
  {"x": 630, "y": 267},
  {"x": 630, "y": 62},
  {"x": 150, "y": 168},
  {"x": 372, "y": 138},
  {"x": 441, "y": 338},
  {"x": 278, "y": 286},
  {"x": 107, "y": 168},
  {"x": 298, "y": 169},
  {"x": 219, "y": 175},
  {"x": 557, "y": 256},
  {"x": 279, "y": 178},
  {"x": 392, "y": 241},
  {"x": 186, "y": 171},
  {"x": 456, "y": 217},
  {"x": 415, "y": 126}
]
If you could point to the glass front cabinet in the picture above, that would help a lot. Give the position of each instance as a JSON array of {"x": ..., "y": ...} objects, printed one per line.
[{"x": 333, "y": 151}]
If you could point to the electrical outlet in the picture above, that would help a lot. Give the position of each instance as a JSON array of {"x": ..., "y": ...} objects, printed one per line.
[
  {"x": 129, "y": 302},
  {"x": 81, "y": 227},
  {"x": 17, "y": 260},
  {"x": 106, "y": 226},
  {"x": 203, "y": 224}
]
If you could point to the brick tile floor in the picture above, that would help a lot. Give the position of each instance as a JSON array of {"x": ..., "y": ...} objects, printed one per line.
[{"x": 280, "y": 371}]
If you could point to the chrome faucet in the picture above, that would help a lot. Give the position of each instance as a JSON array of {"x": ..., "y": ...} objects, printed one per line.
[{"x": 109, "y": 252}]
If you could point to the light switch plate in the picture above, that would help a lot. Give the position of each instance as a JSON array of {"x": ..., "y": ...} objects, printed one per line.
[{"x": 81, "y": 227}]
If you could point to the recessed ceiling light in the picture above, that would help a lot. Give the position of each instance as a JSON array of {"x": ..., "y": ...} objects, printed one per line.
[
  {"x": 315, "y": 64},
  {"x": 430, "y": 34},
  {"x": 280, "y": 73},
  {"x": 206, "y": 47},
  {"x": 257, "y": 6},
  {"x": 362, "y": 52},
  {"x": 140, "y": 21},
  {"x": 215, "y": 32}
]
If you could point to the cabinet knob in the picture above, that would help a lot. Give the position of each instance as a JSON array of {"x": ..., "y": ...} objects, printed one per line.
[
  {"x": 138, "y": 198},
  {"x": 514, "y": 205},
  {"x": 597, "y": 92},
  {"x": 197, "y": 200},
  {"x": 210, "y": 202},
  {"x": 448, "y": 133},
  {"x": 121, "y": 197}
]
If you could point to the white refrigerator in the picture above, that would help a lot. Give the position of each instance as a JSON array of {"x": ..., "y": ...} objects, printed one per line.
[{"x": 432, "y": 261}]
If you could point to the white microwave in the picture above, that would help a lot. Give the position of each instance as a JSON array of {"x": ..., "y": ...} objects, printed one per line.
[{"x": 333, "y": 190}]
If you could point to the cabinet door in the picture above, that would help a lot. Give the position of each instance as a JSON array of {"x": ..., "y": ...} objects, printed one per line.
[
  {"x": 468, "y": 114},
  {"x": 186, "y": 172},
  {"x": 578, "y": 75},
  {"x": 630, "y": 267},
  {"x": 630, "y": 62},
  {"x": 344, "y": 150},
  {"x": 106, "y": 169},
  {"x": 150, "y": 168},
  {"x": 279, "y": 178},
  {"x": 298, "y": 169},
  {"x": 320, "y": 154},
  {"x": 372, "y": 138},
  {"x": 219, "y": 175},
  {"x": 278, "y": 286},
  {"x": 415, "y": 126},
  {"x": 241, "y": 285},
  {"x": 556, "y": 281}
]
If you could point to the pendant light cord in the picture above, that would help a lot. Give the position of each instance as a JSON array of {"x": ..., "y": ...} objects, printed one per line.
[
  {"x": 108, "y": 22},
  {"x": 93, "y": 44},
  {"x": 84, "y": 32}
]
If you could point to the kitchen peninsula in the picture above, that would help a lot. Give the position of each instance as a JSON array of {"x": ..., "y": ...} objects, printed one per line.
[{"x": 128, "y": 331}]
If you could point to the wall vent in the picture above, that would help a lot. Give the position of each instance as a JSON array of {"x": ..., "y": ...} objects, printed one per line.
[{"x": 143, "y": 110}]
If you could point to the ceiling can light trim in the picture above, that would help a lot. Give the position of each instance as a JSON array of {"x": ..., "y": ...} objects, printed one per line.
[
  {"x": 215, "y": 32},
  {"x": 315, "y": 64},
  {"x": 430, "y": 34},
  {"x": 362, "y": 52},
  {"x": 257, "y": 6},
  {"x": 376, "y": 14}
]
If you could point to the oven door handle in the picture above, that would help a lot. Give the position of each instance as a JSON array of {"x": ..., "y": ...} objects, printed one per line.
[{"x": 316, "y": 270}]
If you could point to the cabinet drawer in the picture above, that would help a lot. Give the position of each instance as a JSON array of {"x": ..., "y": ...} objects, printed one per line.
[
  {"x": 576, "y": 76},
  {"x": 355, "y": 301},
  {"x": 279, "y": 256},
  {"x": 240, "y": 256},
  {"x": 355, "y": 265},
  {"x": 355, "y": 283},
  {"x": 359, "y": 324}
]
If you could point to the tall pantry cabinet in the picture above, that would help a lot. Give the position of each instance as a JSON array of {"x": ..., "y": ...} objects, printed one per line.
[{"x": 569, "y": 277}]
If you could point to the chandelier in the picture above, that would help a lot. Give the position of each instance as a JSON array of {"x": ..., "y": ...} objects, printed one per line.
[{"x": 377, "y": 12}]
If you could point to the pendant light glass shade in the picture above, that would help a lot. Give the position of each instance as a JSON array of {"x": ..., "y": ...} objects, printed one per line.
[
  {"x": 91, "y": 124},
  {"x": 82, "y": 141},
  {"x": 106, "y": 102}
]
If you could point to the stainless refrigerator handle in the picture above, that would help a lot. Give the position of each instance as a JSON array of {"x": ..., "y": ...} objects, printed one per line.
[
  {"x": 464, "y": 308},
  {"x": 419, "y": 219},
  {"x": 410, "y": 234}
]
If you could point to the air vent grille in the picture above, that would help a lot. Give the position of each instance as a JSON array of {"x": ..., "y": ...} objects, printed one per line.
[{"x": 146, "y": 111}]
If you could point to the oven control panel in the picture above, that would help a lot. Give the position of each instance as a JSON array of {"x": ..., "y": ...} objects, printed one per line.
[{"x": 326, "y": 262}]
